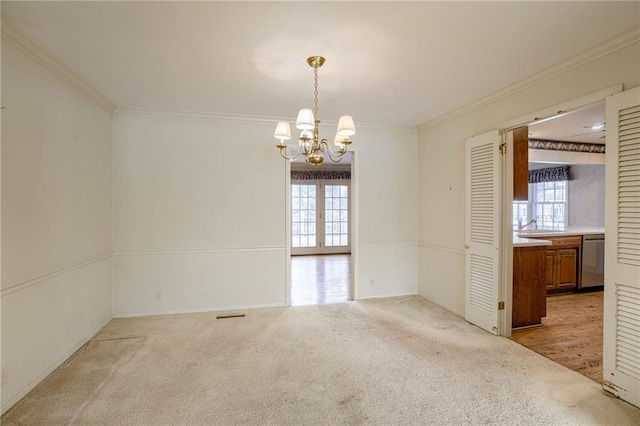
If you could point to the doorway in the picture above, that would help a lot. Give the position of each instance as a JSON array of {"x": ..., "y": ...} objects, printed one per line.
[
  {"x": 571, "y": 333},
  {"x": 321, "y": 216}
]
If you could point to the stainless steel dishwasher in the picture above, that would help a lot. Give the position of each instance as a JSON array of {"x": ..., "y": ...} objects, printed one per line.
[{"x": 592, "y": 260}]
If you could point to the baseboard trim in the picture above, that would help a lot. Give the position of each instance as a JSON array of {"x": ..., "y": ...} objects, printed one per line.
[
  {"x": 53, "y": 367},
  {"x": 387, "y": 296},
  {"x": 200, "y": 311}
]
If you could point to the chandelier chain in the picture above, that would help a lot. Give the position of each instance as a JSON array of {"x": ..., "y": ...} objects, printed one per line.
[{"x": 315, "y": 90}]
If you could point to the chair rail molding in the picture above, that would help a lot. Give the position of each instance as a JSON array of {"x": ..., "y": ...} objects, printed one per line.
[{"x": 12, "y": 288}]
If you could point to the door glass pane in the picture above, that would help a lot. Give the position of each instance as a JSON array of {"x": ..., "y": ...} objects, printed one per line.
[
  {"x": 336, "y": 215},
  {"x": 303, "y": 215}
]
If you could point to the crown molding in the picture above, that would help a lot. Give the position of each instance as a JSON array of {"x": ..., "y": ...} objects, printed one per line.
[
  {"x": 16, "y": 37},
  {"x": 608, "y": 47},
  {"x": 241, "y": 118},
  {"x": 196, "y": 115}
]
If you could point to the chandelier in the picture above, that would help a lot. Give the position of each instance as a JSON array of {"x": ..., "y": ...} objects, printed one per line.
[{"x": 309, "y": 142}]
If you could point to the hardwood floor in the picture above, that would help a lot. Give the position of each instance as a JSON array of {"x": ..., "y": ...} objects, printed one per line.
[
  {"x": 571, "y": 333},
  {"x": 320, "y": 279}
]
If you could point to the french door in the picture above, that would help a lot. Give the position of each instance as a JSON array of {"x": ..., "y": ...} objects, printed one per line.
[{"x": 320, "y": 213}]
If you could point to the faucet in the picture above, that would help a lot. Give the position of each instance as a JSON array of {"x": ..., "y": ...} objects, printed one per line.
[{"x": 521, "y": 226}]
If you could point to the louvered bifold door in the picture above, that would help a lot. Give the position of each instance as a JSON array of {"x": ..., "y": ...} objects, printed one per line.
[
  {"x": 482, "y": 230},
  {"x": 622, "y": 251}
]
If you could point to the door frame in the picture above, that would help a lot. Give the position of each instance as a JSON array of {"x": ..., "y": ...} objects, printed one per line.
[
  {"x": 506, "y": 245},
  {"x": 354, "y": 222}
]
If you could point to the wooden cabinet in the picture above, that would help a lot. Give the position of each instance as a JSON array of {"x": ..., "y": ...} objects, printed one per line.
[
  {"x": 567, "y": 269},
  {"x": 521, "y": 163},
  {"x": 562, "y": 263},
  {"x": 529, "y": 291},
  {"x": 550, "y": 269}
]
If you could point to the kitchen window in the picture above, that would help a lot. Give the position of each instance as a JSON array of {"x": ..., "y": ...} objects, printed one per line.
[{"x": 547, "y": 205}]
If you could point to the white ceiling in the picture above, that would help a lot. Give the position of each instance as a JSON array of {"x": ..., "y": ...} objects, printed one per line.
[
  {"x": 575, "y": 126},
  {"x": 390, "y": 63}
]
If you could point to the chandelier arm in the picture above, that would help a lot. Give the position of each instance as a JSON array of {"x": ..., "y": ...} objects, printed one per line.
[
  {"x": 335, "y": 157},
  {"x": 292, "y": 157}
]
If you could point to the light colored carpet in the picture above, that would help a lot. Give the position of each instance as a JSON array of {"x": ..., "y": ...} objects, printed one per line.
[{"x": 388, "y": 361}]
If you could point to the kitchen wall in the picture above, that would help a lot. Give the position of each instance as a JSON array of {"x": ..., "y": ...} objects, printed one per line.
[
  {"x": 586, "y": 195},
  {"x": 56, "y": 219},
  {"x": 441, "y": 159},
  {"x": 199, "y": 213}
]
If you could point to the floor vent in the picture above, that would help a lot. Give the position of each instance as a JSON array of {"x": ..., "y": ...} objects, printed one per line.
[{"x": 230, "y": 316}]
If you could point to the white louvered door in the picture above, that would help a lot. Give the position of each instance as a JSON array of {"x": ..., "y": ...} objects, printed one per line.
[
  {"x": 622, "y": 251},
  {"x": 483, "y": 230}
]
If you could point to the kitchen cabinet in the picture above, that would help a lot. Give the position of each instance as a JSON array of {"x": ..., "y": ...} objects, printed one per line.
[
  {"x": 521, "y": 164},
  {"x": 529, "y": 291},
  {"x": 561, "y": 270},
  {"x": 562, "y": 263}
]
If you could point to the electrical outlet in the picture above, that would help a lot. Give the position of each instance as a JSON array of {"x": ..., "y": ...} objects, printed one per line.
[
  {"x": 157, "y": 296},
  {"x": 371, "y": 283},
  {"x": 4, "y": 374}
]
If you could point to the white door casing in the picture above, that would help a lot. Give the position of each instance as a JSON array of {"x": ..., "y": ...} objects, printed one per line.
[
  {"x": 483, "y": 198},
  {"x": 621, "y": 355}
]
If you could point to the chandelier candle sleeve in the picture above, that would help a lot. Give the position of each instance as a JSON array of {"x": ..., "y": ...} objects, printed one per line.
[
  {"x": 309, "y": 143},
  {"x": 346, "y": 126},
  {"x": 305, "y": 119},
  {"x": 283, "y": 132}
]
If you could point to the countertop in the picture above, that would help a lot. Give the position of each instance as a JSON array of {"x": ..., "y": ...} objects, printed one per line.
[
  {"x": 572, "y": 230},
  {"x": 522, "y": 238},
  {"x": 528, "y": 242}
]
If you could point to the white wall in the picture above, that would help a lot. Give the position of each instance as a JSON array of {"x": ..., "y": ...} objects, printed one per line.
[
  {"x": 386, "y": 173},
  {"x": 56, "y": 221},
  {"x": 199, "y": 216},
  {"x": 442, "y": 174}
]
